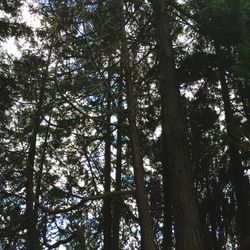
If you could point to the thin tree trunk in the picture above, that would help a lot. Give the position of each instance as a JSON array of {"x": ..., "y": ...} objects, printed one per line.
[
  {"x": 147, "y": 235},
  {"x": 141, "y": 194},
  {"x": 236, "y": 168},
  {"x": 107, "y": 217},
  {"x": 117, "y": 201},
  {"x": 31, "y": 214},
  {"x": 32, "y": 235},
  {"x": 31, "y": 218},
  {"x": 187, "y": 222},
  {"x": 38, "y": 190}
]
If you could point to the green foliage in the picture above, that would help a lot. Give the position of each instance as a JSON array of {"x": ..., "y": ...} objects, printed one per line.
[
  {"x": 82, "y": 74},
  {"x": 223, "y": 21},
  {"x": 242, "y": 68},
  {"x": 7, "y": 87},
  {"x": 197, "y": 66}
]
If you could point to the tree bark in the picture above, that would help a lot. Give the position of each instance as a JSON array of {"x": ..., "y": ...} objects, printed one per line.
[
  {"x": 32, "y": 235},
  {"x": 107, "y": 217},
  {"x": 187, "y": 222},
  {"x": 31, "y": 217},
  {"x": 33, "y": 242},
  {"x": 167, "y": 201},
  {"x": 147, "y": 234},
  {"x": 245, "y": 245},
  {"x": 237, "y": 171},
  {"x": 141, "y": 194}
]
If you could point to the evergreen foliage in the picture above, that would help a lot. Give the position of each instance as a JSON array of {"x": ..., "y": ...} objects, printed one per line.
[{"x": 91, "y": 138}]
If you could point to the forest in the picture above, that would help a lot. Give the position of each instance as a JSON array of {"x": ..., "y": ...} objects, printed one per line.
[{"x": 125, "y": 124}]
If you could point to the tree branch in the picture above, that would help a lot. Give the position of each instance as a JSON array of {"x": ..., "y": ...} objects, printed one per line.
[{"x": 86, "y": 199}]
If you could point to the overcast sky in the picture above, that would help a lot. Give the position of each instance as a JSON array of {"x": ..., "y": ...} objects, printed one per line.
[{"x": 10, "y": 46}]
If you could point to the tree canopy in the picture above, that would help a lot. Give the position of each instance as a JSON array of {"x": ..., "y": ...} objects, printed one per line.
[{"x": 125, "y": 125}]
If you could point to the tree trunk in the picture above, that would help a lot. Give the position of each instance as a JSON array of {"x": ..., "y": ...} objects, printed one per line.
[
  {"x": 167, "y": 201},
  {"x": 117, "y": 201},
  {"x": 107, "y": 217},
  {"x": 31, "y": 213},
  {"x": 187, "y": 222},
  {"x": 141, "y": 194},
  {"x": 237, "y": 171},
  {"x": 32, "y": 235},
  {"x": 31, "y": 217},
  {"x": 147, "y": 235}
]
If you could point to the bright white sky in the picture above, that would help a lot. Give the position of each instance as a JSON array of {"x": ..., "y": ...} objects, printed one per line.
[{"x": 32, "y": 20}]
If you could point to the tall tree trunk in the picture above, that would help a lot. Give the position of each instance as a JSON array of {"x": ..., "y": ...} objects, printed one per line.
[
  {"x": 236, "y": 168},
  {"x": 117, "y": 201},
  {"x": 187, "y": 222},
  {"x": 141, "y": 194},
  {"x": 147, "y": 234},
  {"x": 31, "y": 217},
  {"x": 32, "y": 235},
  {"x": 31, "y": 213},
  {"x": 107, "y": 217},
  {"x": 167, "y": 202}
]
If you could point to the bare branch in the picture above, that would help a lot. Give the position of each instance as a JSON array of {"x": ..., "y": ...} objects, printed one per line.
[{"x": 86, "y": 199}]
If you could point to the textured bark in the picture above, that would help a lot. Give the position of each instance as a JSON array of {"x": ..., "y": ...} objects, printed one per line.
[
  {"x": 237, "y": 171},
  {"x": 141, "y": 194},
  {"x": 187, "y": 223},
  {"x": 245, "y": 245},
  {"x": 167, "y": 201},
  {"x": 147, "y": 235}
]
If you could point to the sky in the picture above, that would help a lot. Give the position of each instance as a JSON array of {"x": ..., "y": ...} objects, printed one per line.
[{"x": 10, "y": 45}]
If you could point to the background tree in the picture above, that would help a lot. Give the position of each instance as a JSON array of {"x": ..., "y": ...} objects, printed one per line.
[{"x": 97, "y": 97}]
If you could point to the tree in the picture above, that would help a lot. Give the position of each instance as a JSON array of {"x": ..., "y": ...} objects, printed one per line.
[
  {"x": 141, "y": 196},
  {"x": 178, "y": 173},
  {"x": 124, "y": 126}
]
